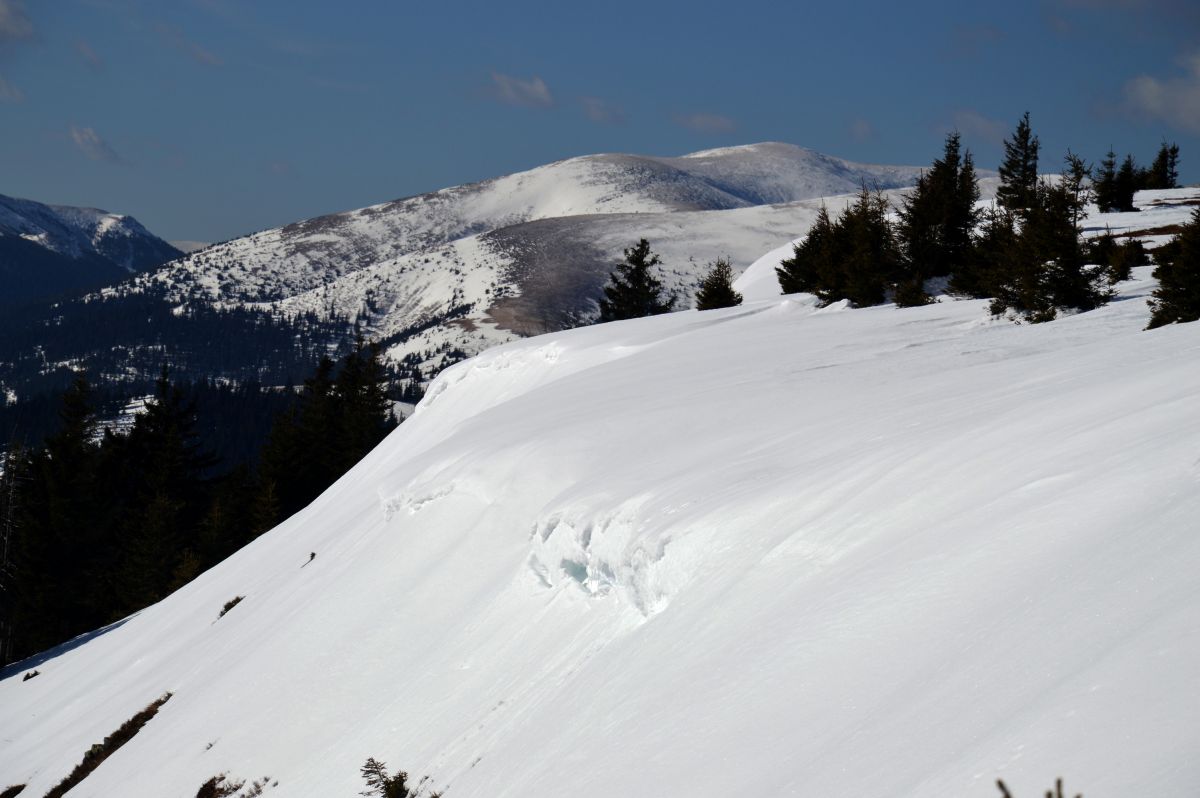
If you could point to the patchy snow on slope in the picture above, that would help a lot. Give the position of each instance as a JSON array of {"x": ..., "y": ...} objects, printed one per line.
[{"x": 769, "y": 550}]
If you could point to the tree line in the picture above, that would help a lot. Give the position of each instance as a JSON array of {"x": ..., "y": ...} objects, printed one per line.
[
  {"x": 96, "y": 524},
  {"x": 1026, "y": 254}
]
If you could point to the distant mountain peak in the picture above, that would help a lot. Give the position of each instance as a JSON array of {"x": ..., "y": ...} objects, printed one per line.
[{"x": 50, "y": 249}]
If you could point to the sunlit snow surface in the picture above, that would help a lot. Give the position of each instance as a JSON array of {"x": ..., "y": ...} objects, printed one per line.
[{"x": 772, "y": 550}]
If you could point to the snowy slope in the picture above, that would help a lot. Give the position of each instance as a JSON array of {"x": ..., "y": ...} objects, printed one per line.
[{"x": 771, "y": 550}]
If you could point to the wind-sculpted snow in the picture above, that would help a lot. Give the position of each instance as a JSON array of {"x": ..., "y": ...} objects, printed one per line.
[{"x": 770, "y": 550}]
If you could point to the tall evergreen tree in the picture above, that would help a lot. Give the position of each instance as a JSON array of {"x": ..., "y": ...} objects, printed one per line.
[
  {"x": 1077, "y": 178},
  {"x": 1018, "y": 170},
  {"x": 633, "y": 290},
  {"x": 170, "y": 470},
  {"x": 1164, "y": 172},
  {"x": 1126, "y": 185},
  {"x": 1105, "y": 184},
  {"x": 1042, "y": 270},
  {"x": 994, "y": 251},
  {"x": 936, "y": 222},
  {"x": 812, "y": 265},
  {"x": 716, "y": 288},
  {"x": 1177, "y": 298}
]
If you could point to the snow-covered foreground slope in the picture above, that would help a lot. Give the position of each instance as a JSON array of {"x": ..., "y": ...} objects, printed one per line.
[{"x": 768, "y": 551}]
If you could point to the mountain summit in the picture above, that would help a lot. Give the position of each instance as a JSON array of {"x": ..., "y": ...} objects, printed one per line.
[
  {"x": 50, "y": 249},
  {"x": 479, "y": 264}
]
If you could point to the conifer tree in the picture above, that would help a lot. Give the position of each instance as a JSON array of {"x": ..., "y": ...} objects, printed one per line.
[
  {"x": 1041, "y": 269},
  {"x": 1018, "y": 171},
  {"x": 716, "y": 288},
  {"x": 1164, "y": 172},
  {"x": 812, "y": 263},
  {"x": 1105, "y": 184},
  {"x": 993, "y": 252},
  {"x": 633, "y": 289},
  {"x": 1077, "y": 179},
  {"x": 1126, "y": 185},
  {"x": 855, "y": 258},
  {"x": 1177, "y": 298},
  {"x": 936, "y": 222}
]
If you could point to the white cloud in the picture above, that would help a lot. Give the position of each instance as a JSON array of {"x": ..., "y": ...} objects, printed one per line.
[
  {"x": 1175, "y": 101},
  {"x": 90, "y": 144},
  {"x": 174, "y": 37},
  {"x": 602, "y": 112},
  {"x": 532, "y": 93},
  {"x": 861, "y": 129},
  {"x": 973, "y": 124}
]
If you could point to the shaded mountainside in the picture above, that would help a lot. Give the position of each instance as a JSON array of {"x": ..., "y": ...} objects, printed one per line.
[
  {"x": 46, "y": 250},
  {"x": 769, "y": 550},
  {"x": 417, "y": 262}
]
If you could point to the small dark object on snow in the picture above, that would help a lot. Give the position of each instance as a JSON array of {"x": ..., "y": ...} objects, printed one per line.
[
  {"x": 233, "y": 602},
  {"x": 30, "y": 675},
  {"x": 1056, "y": 793},
  {"x": 312, "y": 555}
]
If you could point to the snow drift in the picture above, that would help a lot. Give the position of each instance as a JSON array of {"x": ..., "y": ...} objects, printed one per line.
[{"x": 771, "y": 550}]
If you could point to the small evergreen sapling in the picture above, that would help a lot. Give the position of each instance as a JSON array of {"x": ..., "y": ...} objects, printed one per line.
[{"x": 716, "y": 288}]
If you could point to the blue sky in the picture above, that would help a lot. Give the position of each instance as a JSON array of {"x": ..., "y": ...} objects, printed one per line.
[{"x": 208, "y": 119}]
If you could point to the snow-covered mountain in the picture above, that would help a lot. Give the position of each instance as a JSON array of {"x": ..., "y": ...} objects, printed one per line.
[
  {"x": 475, "y": 265},
  {"x": 770, "y": 550},
  {"x": 47, "y": 249}
]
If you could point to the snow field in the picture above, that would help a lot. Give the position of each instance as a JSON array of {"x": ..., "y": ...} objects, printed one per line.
[{"x": 772, "y": 550}]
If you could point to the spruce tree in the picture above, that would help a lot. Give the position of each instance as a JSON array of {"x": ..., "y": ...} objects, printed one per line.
[
  {"x": 1018, "y": 171},
  {"x": 716, "y": 288},
  {"x": 812, "y": 263},
  {"x": 1164, "y": 172},
  {"x": 1077, "y": 180},
  {"x": 991, "y": 256},
  {"x": 1126, "y": 185},
  {"x": 1177, "y": 298},
  {"x": 633, "y": 289},
  {"x": 1105, "y": 184},
  {"x": 936, "y": 223},
  {"x": 871, "y": 260}
]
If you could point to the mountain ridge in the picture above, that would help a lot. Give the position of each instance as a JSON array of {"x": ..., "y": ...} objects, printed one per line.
[{"x": 49, "y": 249}]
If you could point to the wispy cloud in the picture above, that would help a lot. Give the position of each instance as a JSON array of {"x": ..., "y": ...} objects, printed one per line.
[
  {"x": 705, "y": 123},
  {"x": 1175, "y": 100},
  {"x": 10, "y": 93},
  {"x": 14, "y": 22},
  {"x": 533, "y": 93},
  {"x": 15, "y": 27},
  {"x": 90, "y": 57},
  {"x": 975, "y": 125},
  {"x": 90, "y": 144},
  {"x": 174, "y": 37},
  {"x": 602, "y": 112},
  {"x": 969, "y": 41},
  {"x": 861, "y": 129}
]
